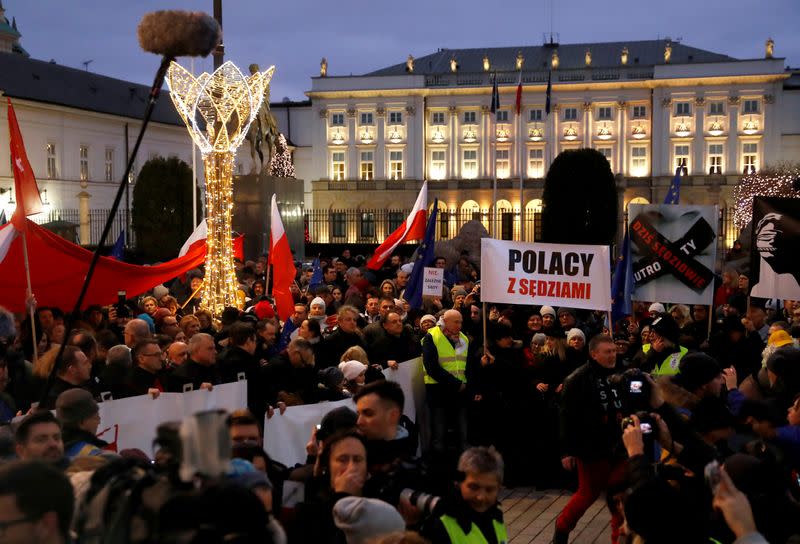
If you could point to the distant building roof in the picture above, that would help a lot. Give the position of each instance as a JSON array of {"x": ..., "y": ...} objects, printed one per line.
[
  {"x": 570, "y": 56},
  {"x": 51, "y": 83}
]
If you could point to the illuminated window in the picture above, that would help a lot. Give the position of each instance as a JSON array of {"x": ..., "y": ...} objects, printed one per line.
[
  {"x": 84, "y": 165},
  {"x": 683, "y": 109},
  {"x": 750, "y": 106},
  {"x": 438, "y": 165},
  {"x": 716, "y": 108},
  {"x": 52, "y": 173},
  {"x": 750, "y": 156},
  {"x": 337, "y": 119},
  {"x": 715, "y": 158},
  {"x": 437, "y": 118},
  {"x": 502, "y": 116},
  {"x": 396, "y": 165},
  {"x": 337, "y": 166},
  {"x": 367, "y": 167},
  {"x": 570, "y": 114},
  {"x": 502, "y": 164},
  {"x": 469, "y": 168},
  {"x": 469, "y": 117},
  {"x": 367, "y": 226},
  {"x": 536, "y": 115},
  {"x": 109, "y": 164},
  {"x": 536, "y": 163},
  {"x": 639, "y": 160},
  {"x": 682, "y": 156},
  {"x": 604, "y": 113},
  {"x": 366, "y": 118},
  {"x": 639, "y": 112},
  {"x": 395, "y": 118}
]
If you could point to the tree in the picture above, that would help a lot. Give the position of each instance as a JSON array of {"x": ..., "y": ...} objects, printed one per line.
[
  {"x": 580, "y": 199},
  {"x": 162, "y": 207},
  {"x": 281, "y": 165},
  {"x": 771, "y": 181}
]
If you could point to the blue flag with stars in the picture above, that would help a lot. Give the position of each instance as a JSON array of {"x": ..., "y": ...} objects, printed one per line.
[
  {"x": 674, "y": 192},
  {"x": 316, "y": 277},
  {"x": 286, "y": 335},
  {"x": 425, "y": 258},
  {"x": 622, "y": 283},
  {"x": 118, "y": 251}
]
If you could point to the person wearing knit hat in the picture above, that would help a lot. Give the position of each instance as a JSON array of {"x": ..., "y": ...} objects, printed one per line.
[
  {"x": 548, "y": 317},
  {"x": 264, "y": 310},
  {"x": 576, "y": 338},
  {"x": 317, "y": 307},
  {"x": 426, "y": 322},
  {"x": 79, "y": 415},
  {"x": 362, "y": 519},
  {"x": 656, "y": 309},
  {"x": 662, "y": 355},
  {"x": 701, "y": 375}
]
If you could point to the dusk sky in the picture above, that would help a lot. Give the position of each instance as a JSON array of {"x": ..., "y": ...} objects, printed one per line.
[{"x": 358, "y": 36}]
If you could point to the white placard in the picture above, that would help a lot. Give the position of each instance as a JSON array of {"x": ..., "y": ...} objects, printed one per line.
[
  {"x": 573, "y": 276},
  {"x": 432, "y": 281}
]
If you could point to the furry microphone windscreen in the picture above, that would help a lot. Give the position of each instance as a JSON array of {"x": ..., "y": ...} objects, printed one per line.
[{"x": 174, "y": 33}]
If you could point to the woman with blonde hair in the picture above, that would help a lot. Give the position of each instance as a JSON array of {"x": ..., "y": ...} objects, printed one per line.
[
  {"x": 681, "y": 314},
  {"x": 355, "y": 353}
]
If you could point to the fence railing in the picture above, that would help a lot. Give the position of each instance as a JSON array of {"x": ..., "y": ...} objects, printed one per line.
[
  {"x": 373, "y": 226},
  {"x": 97, "y": 220}
]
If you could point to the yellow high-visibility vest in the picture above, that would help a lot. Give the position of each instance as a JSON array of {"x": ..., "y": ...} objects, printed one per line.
[
  {"x": 453, "y": 359},
  {"x": 474, "y": 536}
]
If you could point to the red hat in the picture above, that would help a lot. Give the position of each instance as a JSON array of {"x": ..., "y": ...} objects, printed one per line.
[{"x": 264, "y": 310}]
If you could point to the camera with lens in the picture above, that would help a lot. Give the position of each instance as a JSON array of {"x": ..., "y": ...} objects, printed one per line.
[
  {"x": 425, "y": 502},
  {"x": 635, "y": 389},
  {"x": 648, "y": 426}
]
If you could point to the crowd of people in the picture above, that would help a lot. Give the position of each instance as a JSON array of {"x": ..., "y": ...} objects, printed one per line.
[{"x": 687, "y": 418}]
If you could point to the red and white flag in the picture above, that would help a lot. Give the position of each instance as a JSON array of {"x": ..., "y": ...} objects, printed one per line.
[
  {"x": 198, "y": 237},
  {"x": 518, "y": 104},
  {"x": 283, "y": 270},
  {"x": 413, "y": 228},
  {"x": 29, "y": 202},
  {"x": 7, "y": 235}
]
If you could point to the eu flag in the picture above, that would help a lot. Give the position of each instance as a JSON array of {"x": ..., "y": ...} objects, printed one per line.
[
  {"x": 316, "y": 277},
  {"x": 622, "y": 283},
  {"x": 425, "y": 258},
  {"x": 286, "y": 334},
  {"x": 674, "y": 192},
  {"x": 118, "y": 251}
]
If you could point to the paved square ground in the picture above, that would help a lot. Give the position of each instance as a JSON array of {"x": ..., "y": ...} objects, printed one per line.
[{"x": 530, "y": 516}]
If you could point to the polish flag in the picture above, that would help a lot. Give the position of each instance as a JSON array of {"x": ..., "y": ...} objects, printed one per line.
[
  {"x": 518, "y": 104},
  {"x": 197, "y": 238},
  {"x": 29, "y": 202},
  {"x": 283, "y": 270},
  {"x": 413, "y": 228},
  {"x": 7, "y": 235}
]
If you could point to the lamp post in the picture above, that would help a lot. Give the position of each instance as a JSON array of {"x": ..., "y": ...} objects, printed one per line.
[{"x": 218, "y": 109}]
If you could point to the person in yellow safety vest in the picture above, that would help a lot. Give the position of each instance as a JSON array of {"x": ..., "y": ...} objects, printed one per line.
[
  {"x": 472, "y": 515},
  {"x": 444, "y": 359},
  {"x": 662, "y": 356}
]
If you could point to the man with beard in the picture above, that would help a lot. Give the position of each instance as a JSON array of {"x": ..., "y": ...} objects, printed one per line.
[{"x": 38, "y": 438}]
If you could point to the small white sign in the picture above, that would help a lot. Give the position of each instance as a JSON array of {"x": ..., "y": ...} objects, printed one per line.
[{"x": 432, "y": 281}]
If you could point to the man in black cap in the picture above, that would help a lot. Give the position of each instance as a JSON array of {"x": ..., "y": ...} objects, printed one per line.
[
  {"x": 699, "y": 377},
  {"x": 663, "y": 355}
]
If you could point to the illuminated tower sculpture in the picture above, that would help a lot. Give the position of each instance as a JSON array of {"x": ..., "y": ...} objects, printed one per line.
[{"x": 218, "y": 109}]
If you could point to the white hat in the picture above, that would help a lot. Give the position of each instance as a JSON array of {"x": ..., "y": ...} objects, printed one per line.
[
  {"x": 657, "y": 307},
  {"x": 427, "y": 317},
  {"x": 318, "y": 302},
  {"x": 407, "y": 268},
  {"x": 352, "y": 369},
  {"x": 547, "y": 310},
  {"x": 572, "y": 333}
]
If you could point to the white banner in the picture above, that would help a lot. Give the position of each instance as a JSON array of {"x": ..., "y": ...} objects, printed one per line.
[
  {"x": 568, "y": 275},
  {"x": 131, "y": 422},
  {"x": 432, "y": 281},
  {"x": 286, "y": 435}
]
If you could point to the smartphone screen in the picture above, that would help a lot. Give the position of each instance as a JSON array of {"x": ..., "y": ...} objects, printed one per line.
[{"x": 636, "y": 386}]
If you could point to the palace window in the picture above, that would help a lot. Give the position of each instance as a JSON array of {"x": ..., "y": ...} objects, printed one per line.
[
  {"x": 52, "y": 172},
  {"x": 639, "y": 160},
  {"x": 604, "y": 113},
  {"x": 502, "y": 164},
  {"x": 337, "y": 166},
  {"x": 395, "y": 219},
  {"x": 395, "y": 165},
  {"x": 469, "y": 168},
  {"x": 570, "y": 114},
  {"x": 84, "y": 164},
  {"x": 639, "y": 112},
  {"x": 438, "y": 165},
  {"x": 469, "y": 117},
  {"x": 536, "y": 115},
  {"x": 395, "y": 118},
  {"x": 367, "y": 167},
  {"x": 715, "y": 158},
  {"x": 502, "y": 116},
  {"x": 536, "y": 163},
  {"x": 367, "y": 225},
  {"x": 437, "y": 118},
  {"x": 337, "y": 119},
  {"x": 607, "y": 152},
  {"x": 682, "y": 157},
  {"x": 109, "y": 164},
  {"x": 338, "y": 225},
  {"x": 683, "y": 109},
  {"x": 750, "y": 157},
  {"x": 750, "y": 106},
  {"x": 366, "y": 118},
  {"x": 716, "y": 108}
]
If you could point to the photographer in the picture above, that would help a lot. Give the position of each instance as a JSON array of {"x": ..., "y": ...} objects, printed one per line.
[
  {"x": 591, "y": 409},
  {"x": 472, "y": 514}
]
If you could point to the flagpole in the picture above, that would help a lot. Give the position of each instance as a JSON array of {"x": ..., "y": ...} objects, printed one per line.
[
  {"x": 485, "y": 339},
  {"x": 520, "y": 163},
  {"x": 30, "y": 293},
  {"x": 194, "y": 172},
  {"x": 493, "y": 147}
]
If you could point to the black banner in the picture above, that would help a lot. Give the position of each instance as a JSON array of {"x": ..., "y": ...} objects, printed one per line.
[{"x": 775, "y": 248}]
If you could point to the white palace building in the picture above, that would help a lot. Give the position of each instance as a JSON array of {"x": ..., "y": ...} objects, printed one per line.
[{"x": 364, "y": 144}]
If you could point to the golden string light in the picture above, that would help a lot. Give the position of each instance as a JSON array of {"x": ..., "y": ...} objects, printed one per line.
[
  {"x": 769, "y": 182},
  {"x": 218, "y": 109}
]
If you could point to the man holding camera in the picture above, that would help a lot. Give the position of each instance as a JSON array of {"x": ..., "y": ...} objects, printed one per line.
[{"x": 594, "y": 401}]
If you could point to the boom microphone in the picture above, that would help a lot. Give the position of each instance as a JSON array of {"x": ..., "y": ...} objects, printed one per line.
[{"x": 175, "y": 33}]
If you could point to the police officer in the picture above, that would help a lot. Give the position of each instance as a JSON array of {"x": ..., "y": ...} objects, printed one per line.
[{"x": 662, "y": 356}]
